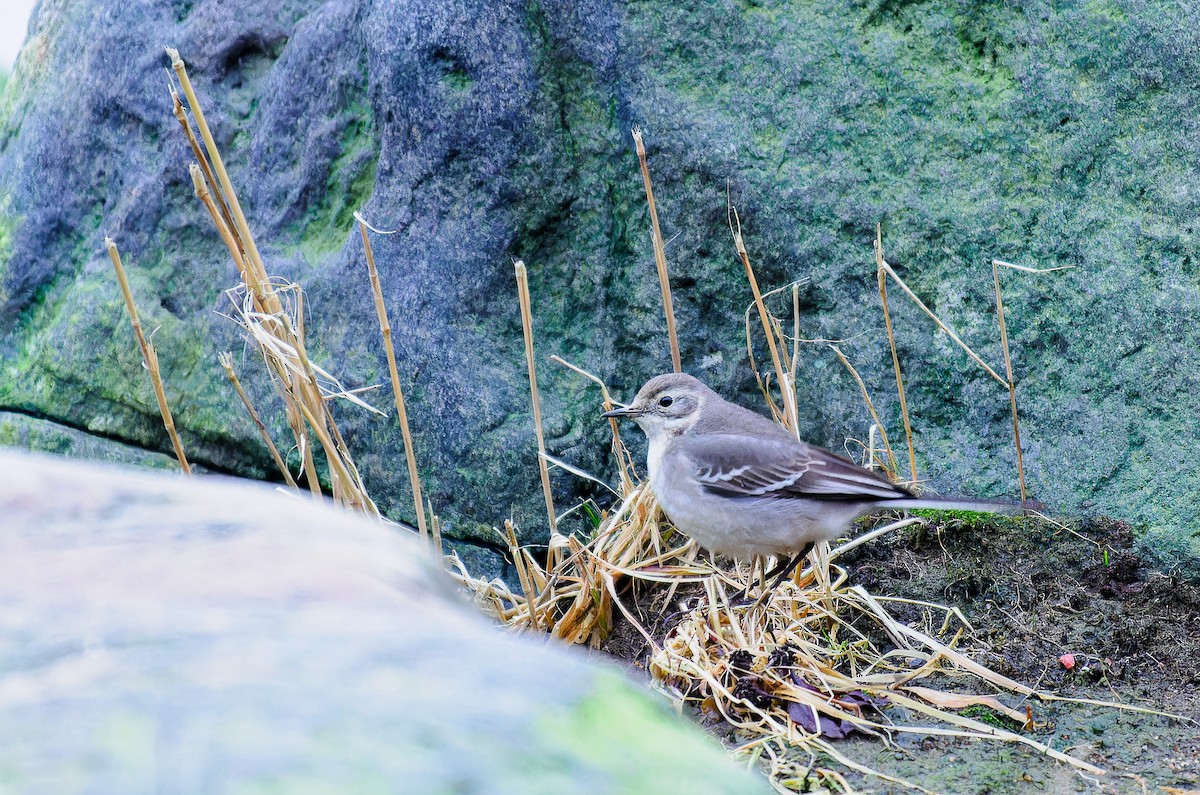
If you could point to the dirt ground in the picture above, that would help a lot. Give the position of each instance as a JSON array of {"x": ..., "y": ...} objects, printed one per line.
[{"x": 1034, "y": 591}]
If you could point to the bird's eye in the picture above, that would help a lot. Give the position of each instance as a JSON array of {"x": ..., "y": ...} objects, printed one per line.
[{"x": 665, "y": 401}]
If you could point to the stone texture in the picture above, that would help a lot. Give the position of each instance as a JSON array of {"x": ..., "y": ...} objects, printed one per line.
[
  {"x": 1047, "y": 135},
  {"x": 164, "y": 634},
  {"x": 31, "y": 433}
]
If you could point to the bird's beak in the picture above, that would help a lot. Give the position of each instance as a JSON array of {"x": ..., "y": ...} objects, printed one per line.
[{"x": 625, "y": 412}]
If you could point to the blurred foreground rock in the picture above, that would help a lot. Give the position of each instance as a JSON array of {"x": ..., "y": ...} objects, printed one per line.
[{"x": 159, "y": 634}]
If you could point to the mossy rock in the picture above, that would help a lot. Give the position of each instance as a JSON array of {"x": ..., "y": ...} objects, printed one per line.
[{"x": 1052, "y": 137}]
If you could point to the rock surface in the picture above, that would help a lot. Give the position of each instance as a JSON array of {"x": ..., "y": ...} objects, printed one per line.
[
  {"x": 1043, "y": 135},
  {"x": 160, "y": 634}
]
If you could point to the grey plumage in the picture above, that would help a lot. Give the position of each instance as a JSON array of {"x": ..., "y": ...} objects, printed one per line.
[{"x": 741, "y": 485}]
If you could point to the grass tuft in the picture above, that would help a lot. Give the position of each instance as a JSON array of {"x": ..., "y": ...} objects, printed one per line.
[{"x": 271, "y": 314}]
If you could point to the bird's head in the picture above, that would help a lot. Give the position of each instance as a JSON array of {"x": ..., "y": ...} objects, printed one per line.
[{"x": 666, "y": 405}]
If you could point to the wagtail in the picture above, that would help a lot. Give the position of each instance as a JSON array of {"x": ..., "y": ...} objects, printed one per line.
[{"x": 742, "y": 485}]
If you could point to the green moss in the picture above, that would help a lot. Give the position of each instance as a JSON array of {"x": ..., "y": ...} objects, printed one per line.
[
  {"x": 989, "y": 716},
  {"x": 46, "y": 436},
  {"x": 54, "y": 371},
  {"x": 351, "y": 180},
  {"x": 7, "y": 226},
  {"x": 967, "y": 519}
]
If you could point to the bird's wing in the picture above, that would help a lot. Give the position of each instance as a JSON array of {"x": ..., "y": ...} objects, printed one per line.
[{"x": 733, "y": 465}]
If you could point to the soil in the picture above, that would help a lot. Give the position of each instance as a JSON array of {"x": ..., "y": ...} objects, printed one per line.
[{"x": 1035, "y": 591}]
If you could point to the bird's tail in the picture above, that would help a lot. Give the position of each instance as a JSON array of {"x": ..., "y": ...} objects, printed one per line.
[{"x": 961, "y": 504}]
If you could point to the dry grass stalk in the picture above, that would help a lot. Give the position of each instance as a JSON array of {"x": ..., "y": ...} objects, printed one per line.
[
  {"x": 1011, "y": 384},
  {"x": 198, "y": 153},
  {"x": 272, "y": 315},
  {"x": 884, "y": 267},
  {"x": 1012, "y": 387},
  {"x": 891, "y": 466},
  {"x": 790, "y": 362},
  {"x": 385, "y": 329},
  {"x": 786, "y": 387},
  {"x": 887, "y": 321},
  {"x": 660, "y": 254},
  {"x": 257, "y": 287},
  {"x": 521, "y": 561},
  {"x": 435, "y": 527},
  {"x": 218, "y": 168},
  {"x": 226, "y": 360},
  {"x": 795, "y": 333},
  {"x": 527, "y": 327},
  {"x": 149, "y": 357}
]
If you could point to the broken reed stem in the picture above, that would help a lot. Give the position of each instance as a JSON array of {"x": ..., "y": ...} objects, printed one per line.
[
  {"x": 385, "y": 329},
  {"x": 149, "y": 357},
  {"x": 862, "y": 387},
  {"x": 310, "y": 461},
  {"x": 218, "y": 165},
  {"x": 887, "y": 321},
  {"x": 280, "y": 337},
  {"x": 198, "y": 153},
  {"x": 527, "y": 327},
  {"x": 1012, "y": 387},
  {"x": 209, "y": 200},
  {"x": 886, "y": 268},
  {"x": 237, "y": 238},
  {"x": 309, "y": 399},
  {"x": 795, "y": 332},
  {"x": 514, "y": 549},
  {"x": 226, "y": 360},
  {"x": 660, "y": 255},
  {"x": 435, "y": 528},
  {"x": 784, "y": 383}
]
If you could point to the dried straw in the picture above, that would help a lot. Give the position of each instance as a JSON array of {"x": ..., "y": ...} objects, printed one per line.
[
  {"x": 527, "y": 328},
  {"x": 887, "y": 321},
  {"x": 272, "y": 315},
  {"x": 660, "y": 254},
  {"x": 1008, "y": 371},
  {"x": 385, "y": 330},
  {"x": 149, "y": 357},
  {"x": 786, "y": 387},
  {"x": 218, "y": 168},
  {"x": 226, "y": 360}
]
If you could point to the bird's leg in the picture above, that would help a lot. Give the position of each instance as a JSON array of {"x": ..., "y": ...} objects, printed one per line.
[
  {"x": 785, "y": 567},
  {"x": 780, "y": 571}
]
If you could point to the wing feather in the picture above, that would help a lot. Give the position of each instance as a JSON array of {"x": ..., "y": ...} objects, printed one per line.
[{"x": 736, "y": 465}]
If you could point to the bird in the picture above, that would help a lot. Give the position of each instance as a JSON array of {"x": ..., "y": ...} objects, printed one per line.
[{"x": 742, "y": 485}]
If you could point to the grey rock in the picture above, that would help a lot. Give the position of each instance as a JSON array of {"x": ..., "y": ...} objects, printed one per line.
[
  {"x": 1041, "y": 135},
  {"x": 31, "y": 433},
  {"x": 164, "y": 634}
]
